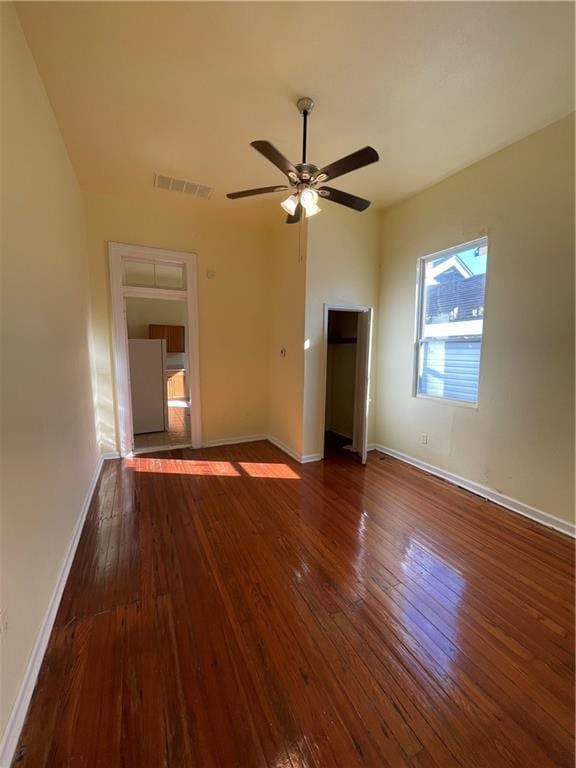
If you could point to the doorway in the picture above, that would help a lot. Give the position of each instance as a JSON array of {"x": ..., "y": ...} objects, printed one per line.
[
  {"x": 159, "y": 368},
  {"x": 155, "y": 342},
  {"x": 347, "y": 337}
]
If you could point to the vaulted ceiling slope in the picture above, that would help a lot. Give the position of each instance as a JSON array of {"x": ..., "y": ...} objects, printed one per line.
[{"x": 182, "y": 88}]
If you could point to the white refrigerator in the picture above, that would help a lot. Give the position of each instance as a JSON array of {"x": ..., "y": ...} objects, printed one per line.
[{"x": 148, "y": 385}]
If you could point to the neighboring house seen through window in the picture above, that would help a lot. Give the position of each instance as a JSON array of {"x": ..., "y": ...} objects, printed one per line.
[{"x": 449, "y": 322}]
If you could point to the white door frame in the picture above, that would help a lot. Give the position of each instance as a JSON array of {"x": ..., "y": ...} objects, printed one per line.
[
  {"x": 344, "y": 308},
  {"x": 119, "y": 253}
]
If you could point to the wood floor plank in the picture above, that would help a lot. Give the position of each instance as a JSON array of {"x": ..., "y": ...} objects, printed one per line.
[
  {"x": 230, "y": 607},
  {"x": 314, "y": 658}
]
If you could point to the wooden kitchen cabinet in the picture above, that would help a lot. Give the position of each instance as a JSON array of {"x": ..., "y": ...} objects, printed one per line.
[
  {"x": 176, "y": 385},
  {"x": 174, "y": 334}
]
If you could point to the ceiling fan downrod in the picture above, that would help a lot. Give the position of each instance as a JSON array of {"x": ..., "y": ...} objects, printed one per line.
[{"x": 305, "y": 106}]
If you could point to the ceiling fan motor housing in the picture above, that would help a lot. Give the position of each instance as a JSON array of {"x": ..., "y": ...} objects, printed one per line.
[{"x": 306, "y": 171}]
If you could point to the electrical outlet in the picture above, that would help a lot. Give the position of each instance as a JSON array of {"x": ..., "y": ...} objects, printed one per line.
[{"x": 424, "y": 438}]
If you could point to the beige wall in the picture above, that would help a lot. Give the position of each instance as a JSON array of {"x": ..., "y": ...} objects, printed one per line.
[
  {"x": 519, "y": 441},
  {"x": 342, "y": 268},
  {"x": 286, "y": 301},
  {"x": 48, "y": 440},
  {"x": 233, "y": 241}
]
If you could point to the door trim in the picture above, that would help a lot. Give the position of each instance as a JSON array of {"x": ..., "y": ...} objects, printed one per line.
[
  {"x": 362, "y": 382},
  {"x": 119, "y": 253},
  {"x": 342, "y": 308}
]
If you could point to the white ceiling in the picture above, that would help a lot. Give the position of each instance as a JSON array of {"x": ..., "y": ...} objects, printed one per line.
[{"x": 182, "y": 88}]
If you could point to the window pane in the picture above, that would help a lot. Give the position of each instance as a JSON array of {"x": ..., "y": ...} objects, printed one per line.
[
  {"x": 450, "y": 369},
  {"x": 451, "y": 319},
  {"x": 453, "y": 294},
  {"x": 149, "y": 275},
  {"x": 168, "y": 276},
  {"x": 139, "y": 273}
]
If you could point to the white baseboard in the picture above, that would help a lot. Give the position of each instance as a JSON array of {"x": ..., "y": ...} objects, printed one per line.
[
  {"x": 11, "y": 735},
  {"x": 284, "y": 447},
  {"x": 299, "y": 457},
  {"x": 481, "y": 490},
  {"x": 110, "y": 455},
  {"x": 233, "y": 440},
  {"x": 309, "y": 457}
]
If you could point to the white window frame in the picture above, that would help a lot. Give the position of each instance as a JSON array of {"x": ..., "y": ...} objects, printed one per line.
[{"x": 419, "y": 339}]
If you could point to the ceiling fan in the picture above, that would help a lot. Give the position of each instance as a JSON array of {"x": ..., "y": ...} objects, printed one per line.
[{"x": 305, "y": 177}]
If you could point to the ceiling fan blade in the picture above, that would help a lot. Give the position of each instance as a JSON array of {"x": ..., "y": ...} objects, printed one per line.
[
  {"x": 347, "y": 164},
  {"x": 344, "y": 198},
  {"x": 296, "y": 216},
  {"x": 277, "y": 158},
  {"x": 259, "y": 191}
]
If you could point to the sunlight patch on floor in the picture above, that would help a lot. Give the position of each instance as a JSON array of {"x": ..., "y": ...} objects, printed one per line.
[
  {"x": 206, "y": 468},
  {"x": 182, "y": 467},
  {"x": 277, "y": 471}
]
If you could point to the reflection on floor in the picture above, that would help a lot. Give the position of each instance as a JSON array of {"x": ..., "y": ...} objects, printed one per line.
[{"x": 178, "y": 432}]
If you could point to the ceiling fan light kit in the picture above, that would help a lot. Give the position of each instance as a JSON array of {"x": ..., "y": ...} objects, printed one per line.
[
  {"x": 290, "y": 204},
  {"x": 304, "y": 178}
]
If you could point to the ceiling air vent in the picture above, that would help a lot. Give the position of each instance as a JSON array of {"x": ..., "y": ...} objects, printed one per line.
[{"x": 182, "y": 185}]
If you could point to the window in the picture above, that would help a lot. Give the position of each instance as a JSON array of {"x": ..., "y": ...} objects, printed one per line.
[
  {"x": 449, "y": 320},
  {"x": 147, "y": 274}
]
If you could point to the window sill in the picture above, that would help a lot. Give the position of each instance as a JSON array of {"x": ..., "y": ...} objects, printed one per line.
[{"x": 447, "y": 401}]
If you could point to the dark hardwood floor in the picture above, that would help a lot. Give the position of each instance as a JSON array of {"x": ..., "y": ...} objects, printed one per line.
[{"x": 229, "y": 607}]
